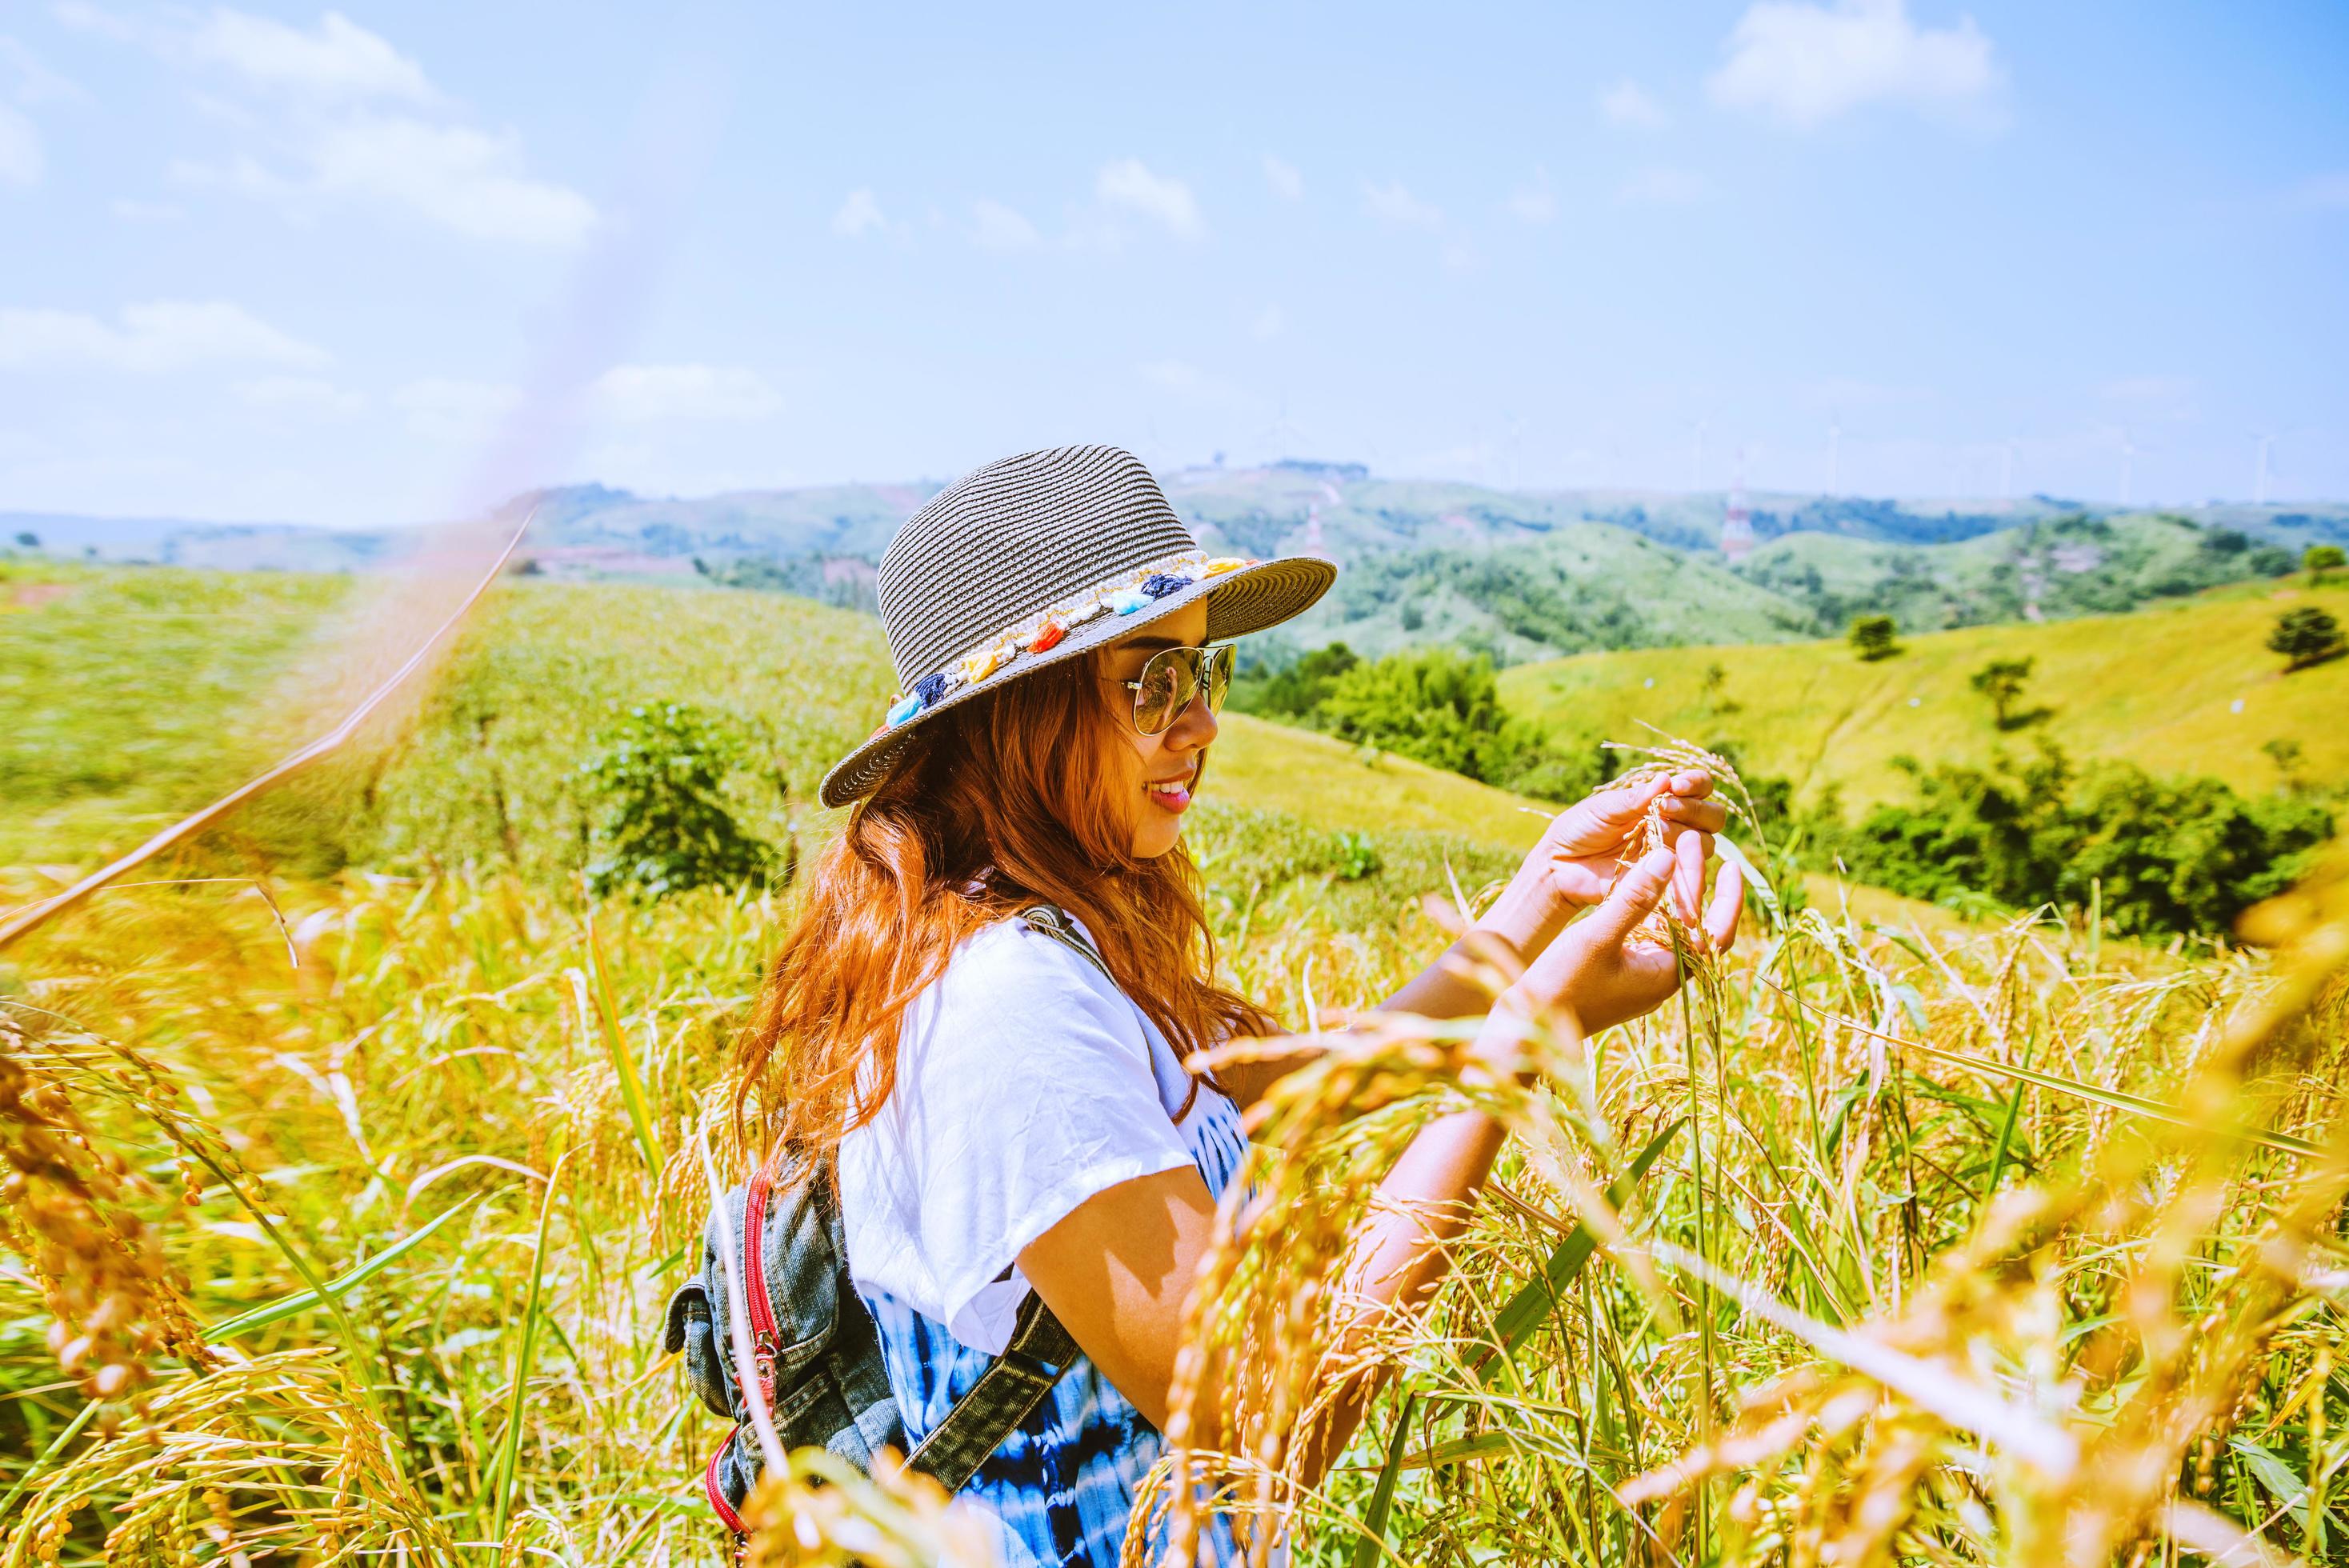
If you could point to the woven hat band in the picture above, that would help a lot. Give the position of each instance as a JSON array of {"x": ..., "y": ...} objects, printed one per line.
[{"x": 1010, "y": 539}]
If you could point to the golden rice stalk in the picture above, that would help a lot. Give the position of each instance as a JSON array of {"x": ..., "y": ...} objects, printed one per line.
[
  {"x": 114, "y": 1300},
  {"x": 272, "y": 1458}
]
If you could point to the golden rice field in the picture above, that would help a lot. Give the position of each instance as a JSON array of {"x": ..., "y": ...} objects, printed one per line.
[{"x": 343, "y": 1193}]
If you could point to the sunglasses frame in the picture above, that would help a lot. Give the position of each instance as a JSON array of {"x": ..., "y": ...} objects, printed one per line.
[{"x": 1202, "y": 659}]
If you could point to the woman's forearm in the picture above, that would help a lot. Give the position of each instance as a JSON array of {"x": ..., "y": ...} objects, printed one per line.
[
  {"x": 1522, "y": 922},
  {"x": 1399, "y": 1256}
]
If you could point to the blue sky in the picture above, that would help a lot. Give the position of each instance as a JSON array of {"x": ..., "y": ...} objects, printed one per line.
[{"x": 384, "y": 262}]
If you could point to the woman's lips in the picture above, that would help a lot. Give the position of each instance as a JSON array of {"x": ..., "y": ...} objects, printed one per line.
[{"x": 1173, "y": 797}]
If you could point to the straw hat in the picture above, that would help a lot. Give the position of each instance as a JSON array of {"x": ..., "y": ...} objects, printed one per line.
[{"x": 1038, "y": 558}]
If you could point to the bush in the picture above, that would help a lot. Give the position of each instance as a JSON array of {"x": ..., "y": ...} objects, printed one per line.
[
  {"x": 661, "y": 823},
  {"x": 2305, "y": 636},
  {"x": 2319, "y": 561}
]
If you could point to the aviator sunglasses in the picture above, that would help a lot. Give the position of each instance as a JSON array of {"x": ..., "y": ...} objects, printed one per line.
[{"x": 1173, "y": 677}]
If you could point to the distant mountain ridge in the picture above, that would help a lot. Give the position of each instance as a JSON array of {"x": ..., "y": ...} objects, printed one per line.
[{"x": 1523, "y": 574}]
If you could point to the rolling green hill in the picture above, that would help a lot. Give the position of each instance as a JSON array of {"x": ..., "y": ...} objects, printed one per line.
[
  {"x": 2182, "y": 687},
  {"x": 130, "y": 696}
]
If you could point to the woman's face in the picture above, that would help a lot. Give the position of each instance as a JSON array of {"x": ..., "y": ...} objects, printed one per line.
[{"x": 1157, "y": 770}]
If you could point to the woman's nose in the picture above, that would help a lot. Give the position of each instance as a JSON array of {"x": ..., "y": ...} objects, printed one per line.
[{"x": 1195, "y": 727}]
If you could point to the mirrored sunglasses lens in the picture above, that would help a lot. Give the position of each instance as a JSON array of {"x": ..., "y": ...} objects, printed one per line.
[
  {"x": 1166, "y": 688},
  {"x": 1219, "y": 676}
]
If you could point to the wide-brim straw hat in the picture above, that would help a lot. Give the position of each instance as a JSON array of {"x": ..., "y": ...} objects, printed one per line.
[{"x": 1038, "y": 558}]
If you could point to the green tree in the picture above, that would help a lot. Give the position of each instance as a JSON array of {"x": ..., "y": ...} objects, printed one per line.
[
  {"x": 2165, "y": 855},
  {"x": 2305, "y": 636},
  {"x": 1296, "y": 691},
  {"x": 2001, "y": 681},
  {"x": 2321, "y": 561},
  {"x": 661, "y": 824},
  {"x": 28, "y": 541},
  {"x": 1873, "y": 638}
]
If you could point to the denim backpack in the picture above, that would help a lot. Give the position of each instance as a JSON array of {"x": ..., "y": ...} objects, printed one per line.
[{"x": 818, "y": 1356}]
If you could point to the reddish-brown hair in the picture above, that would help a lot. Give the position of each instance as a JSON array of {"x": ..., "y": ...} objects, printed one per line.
[{"x": 1006, "y": 801}]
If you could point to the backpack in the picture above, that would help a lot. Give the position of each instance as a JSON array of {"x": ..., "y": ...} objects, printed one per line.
[{"x": 818, "y": 1356}]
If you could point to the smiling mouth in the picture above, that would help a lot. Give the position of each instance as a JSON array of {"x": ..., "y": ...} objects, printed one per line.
[{"x": 1174, "y": 794}]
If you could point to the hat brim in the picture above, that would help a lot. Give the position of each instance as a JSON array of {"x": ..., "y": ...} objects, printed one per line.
[{"x": 1247, "y": 599}]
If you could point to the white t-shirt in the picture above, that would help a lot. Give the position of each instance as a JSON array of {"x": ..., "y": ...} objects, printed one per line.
[{"x": 1026, "y": 1083}]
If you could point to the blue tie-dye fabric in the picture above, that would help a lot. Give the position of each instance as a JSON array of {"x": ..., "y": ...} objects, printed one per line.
[{"x": 1062, "y": 1485}]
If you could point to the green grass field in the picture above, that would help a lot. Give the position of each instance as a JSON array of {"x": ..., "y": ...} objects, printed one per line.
[
  {"x": 339, "y": 1214},
  {"x": 2185, "y": 687}
]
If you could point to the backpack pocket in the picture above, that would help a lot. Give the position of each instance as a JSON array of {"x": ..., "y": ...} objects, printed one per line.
[{"x": 692, "y": 1328}]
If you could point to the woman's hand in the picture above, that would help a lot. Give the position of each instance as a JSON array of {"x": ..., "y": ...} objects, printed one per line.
[
  {"x": 1581, "y": 852},
  {"x": 1601, "y": 973}
]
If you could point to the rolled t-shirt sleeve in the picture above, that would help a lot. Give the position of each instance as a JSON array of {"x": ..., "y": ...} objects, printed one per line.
[{"x": 1024, "y": 1087}]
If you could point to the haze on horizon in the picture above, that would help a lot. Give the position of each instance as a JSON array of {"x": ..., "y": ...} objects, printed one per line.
[{"x": 373, "y": 265}]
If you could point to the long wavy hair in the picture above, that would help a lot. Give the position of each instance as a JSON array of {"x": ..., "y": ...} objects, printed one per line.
[{"x": 1008, "y": 801}]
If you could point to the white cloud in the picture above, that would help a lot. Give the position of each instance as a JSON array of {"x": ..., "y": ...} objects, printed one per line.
[
  {"x": 1458, "y": 256},
  {"x": 443, "y": 409},
  {"x": 318, "y": 135},
  {"x": 301, "y": 394},
  {"x": 641, "y": 394},
  {"x": 996, "y": 227},
  {"x": 1282, "y": 176},
  {"x": 1629, "y": 104},
  {"x": 340, "y": 61},
  {"x": 1806, "y": 63},
  {"x": 1393, "y": 204},
  {"x": 1128, "y": 183},
  {"x": 1533, "y": 202},
  {"x": 1661, "y": 186},
  {"x": 463, "y": 180},
  {"x": 860, "y": 214},
  {"x": 131, "y": 211},
  {"x": 150, "y": 338},
  {"x": 1269, "y": 322},
  {"x": 2322, "y": 192},
  {"x": 20, "y": 150}
]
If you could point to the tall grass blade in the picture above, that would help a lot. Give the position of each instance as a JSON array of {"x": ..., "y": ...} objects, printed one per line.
[
  {"x": 1526, "y": 1309},
  {"x": 2006, "y": 1128},
  {"x": 1372, "y": 1543},
  {"x": 503, "y": 1470},
  {"x": 41, "y": 1461},
  {"x": 615, "y": 1043},
  {"x": 302, "y": 1300}
]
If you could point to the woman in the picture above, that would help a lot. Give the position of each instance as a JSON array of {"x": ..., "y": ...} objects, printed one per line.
[{"x": 1007, "y": 1114}]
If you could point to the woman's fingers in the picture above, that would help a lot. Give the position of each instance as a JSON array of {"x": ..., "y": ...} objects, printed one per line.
[
  {"x": 1704, "y": 816},
  {"x": 1633, "y": 898},
  {"x": 1693, "y": 785},
  {"x": 1688, "y": 876},
  {"x": 1728, "y": 902}
]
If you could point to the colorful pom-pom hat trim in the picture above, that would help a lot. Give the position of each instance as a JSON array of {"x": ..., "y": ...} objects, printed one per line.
[{"x": 1038, "y": 558}]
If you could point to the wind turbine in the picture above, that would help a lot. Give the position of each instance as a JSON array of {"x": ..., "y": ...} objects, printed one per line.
[
  {"x": 1696, "y": 475},
  {"x": 2006, "y": 472},
  {"x": 1835, "y": 450},
  {"x": 2259, "y": 480},
  {"x": 2128, "y": 465}
]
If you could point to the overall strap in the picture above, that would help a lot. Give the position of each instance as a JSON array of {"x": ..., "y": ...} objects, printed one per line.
[
  {"x": 1016, "y": 1382},
  {"x": 1012, "y": 1387},
  {"x": 1052, "y": 921}
]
